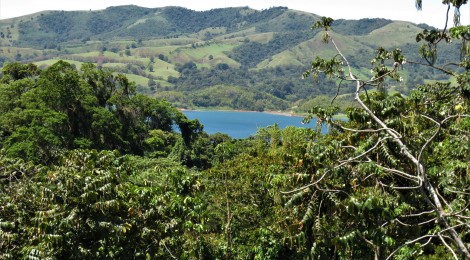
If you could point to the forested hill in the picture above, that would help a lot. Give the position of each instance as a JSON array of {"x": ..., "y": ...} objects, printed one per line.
[
  {"x": 131, "y": 22},
  {"x": 236, "y": 58}
]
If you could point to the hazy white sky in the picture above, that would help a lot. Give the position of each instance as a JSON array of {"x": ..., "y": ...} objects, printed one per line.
[{"x": 433, "y": 12}]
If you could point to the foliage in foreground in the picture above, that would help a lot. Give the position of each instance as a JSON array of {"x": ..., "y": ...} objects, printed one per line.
[{"x": 93, "y": 205}]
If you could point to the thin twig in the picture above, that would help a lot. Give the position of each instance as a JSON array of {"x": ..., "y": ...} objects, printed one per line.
[
  {"x": 430, "y": 139},
  {"x": 337, "y": 92},
  {"x": 169, "y": 252},
  {"x": 366, "y": 152},
  {"x": 364, "y": 130},
  {"x": 305, "y": 186},
  {"x": 457, "y": 192},
  {"x": 402, "y": 174},
  {"x": 419, "y": 214},
  {"x": 410, "y": 242},
  {"x": 429, "y": 64},
  {"x": 400, "y": 188},
  {"x": 448, "y": 247}
]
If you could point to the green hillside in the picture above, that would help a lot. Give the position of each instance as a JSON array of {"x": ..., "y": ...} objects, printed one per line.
[{"x": 177, "y": 50}]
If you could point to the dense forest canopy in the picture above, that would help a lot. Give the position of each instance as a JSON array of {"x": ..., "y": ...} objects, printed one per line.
[
  {"x": 60, "y": 108},
  {"x": 91, "y": 169}
]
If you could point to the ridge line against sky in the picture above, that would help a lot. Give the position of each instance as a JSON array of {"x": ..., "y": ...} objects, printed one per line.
[{"x": 433, "y": 12}]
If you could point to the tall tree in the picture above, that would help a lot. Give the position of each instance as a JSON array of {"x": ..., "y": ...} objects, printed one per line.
[
  {"x": 45, "y": 113},
  {"x": 392, "y": 180}
]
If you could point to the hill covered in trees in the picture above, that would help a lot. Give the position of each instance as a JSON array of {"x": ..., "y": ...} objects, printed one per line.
[{"x": 182, "y": 55}]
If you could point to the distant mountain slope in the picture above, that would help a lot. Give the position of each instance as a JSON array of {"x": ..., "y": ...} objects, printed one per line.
[
  {"x": 138, "y": 22},
  {"x": 183, "y": 55}
]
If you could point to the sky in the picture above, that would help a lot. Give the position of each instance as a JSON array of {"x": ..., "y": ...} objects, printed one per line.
[{"x": 433, "y": 12}]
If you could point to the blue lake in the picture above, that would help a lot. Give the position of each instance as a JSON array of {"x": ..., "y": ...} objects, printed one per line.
[{"x": 242, "y": 124}]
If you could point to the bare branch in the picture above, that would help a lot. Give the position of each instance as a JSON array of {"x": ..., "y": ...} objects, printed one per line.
[
  {"x": 366, "y": 152},
  {"x": 370, "y": 82},
  {"x": 452, "y": 227},
  {"x": 169, "y": 252},
  {"x": 430, "y": 139},
  {"x": 457, "y": 192},
  {"x": 448, "y": 247},
  {"x": 429, "y": 64},
  {"x": 411, "y": 242},
  {"x": 419, "y": 214},
  {"x": 413, "y": 225},
  {"x": 403, "y": 174},
  {"x": 402, "y": 223},
  {"x": 330, "y": 190},
  {"x": 345, "y": 60},
  {"x": 400, "y": 188},
  {"x": 364, "y": 130},
  {"x": 337, "y": 92},
  {"x": 306, "y": 186},
  {"x": 367, "y": 177},
  {"x": 426, "y": 222},
  {"x": 447, "y": 21},
  {"x": 460, "y": 216},
  {"x": 453, "y": 116},
  {"x": 445, "y": 201}
]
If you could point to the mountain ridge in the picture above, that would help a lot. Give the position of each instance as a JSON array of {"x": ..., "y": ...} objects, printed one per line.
[{"x": 172, "y": 50}]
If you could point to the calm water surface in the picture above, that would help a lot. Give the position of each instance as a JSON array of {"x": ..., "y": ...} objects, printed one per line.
[{"x": 242, "y": 124}]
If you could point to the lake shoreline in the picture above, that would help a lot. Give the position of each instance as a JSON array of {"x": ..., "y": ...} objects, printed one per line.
[
  {"x": 280, "y": 113},
  {"x": 339, "y": 116}
]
